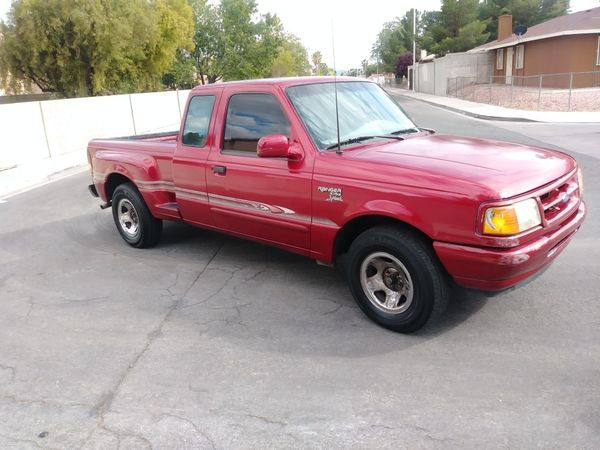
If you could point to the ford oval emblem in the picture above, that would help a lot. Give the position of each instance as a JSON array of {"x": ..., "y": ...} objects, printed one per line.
[{"x": 564, "y": 198}]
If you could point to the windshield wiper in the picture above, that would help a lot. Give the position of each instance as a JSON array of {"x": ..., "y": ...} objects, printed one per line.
[
  {"x": 358, "y": 139},
  {"x": 405, "y": 131}
]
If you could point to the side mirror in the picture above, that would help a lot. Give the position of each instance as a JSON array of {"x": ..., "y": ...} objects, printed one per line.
[{"x": 277, "y": 146}]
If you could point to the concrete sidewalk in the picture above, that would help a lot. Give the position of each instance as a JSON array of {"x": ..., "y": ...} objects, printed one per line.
[
  {"x": 492, "y": 112},
  {"x": 16, "y": 179}
]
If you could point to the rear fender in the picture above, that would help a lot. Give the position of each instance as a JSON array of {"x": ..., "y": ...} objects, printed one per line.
[{"x": 140, "y": 169}]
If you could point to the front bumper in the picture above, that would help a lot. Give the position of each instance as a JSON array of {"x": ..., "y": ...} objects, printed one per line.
[{"x": 492, "y": 269}]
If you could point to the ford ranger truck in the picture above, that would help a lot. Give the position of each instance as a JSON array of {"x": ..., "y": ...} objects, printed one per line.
[{"x": 409, "y": 210}]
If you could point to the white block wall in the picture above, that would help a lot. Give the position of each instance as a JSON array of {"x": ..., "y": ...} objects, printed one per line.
[
  {"x": 154, "y": 112},
  {"x": 22, "y": 136},
  {"x": 55, "y": 128},
  {"x": 70, "y": 124},
  {"x": 432, "y": 77}
]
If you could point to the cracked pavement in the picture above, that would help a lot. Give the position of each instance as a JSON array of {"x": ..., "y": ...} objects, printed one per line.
[{"x": 211, "y": 342}]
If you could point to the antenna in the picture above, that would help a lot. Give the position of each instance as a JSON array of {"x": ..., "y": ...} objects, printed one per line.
[{"x": 337, "y": 114}]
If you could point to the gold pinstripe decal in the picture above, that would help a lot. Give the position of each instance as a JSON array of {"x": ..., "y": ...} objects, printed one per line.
[{"x": 193, "y": 194}]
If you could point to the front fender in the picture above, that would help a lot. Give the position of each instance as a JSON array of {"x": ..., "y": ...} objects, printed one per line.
[{"x": 387, "y": 208}]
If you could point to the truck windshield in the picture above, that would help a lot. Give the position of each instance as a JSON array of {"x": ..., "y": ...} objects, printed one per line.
[{"x": 364, "y": 110}]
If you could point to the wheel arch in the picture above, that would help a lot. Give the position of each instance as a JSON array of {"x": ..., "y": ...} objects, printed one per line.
[
  {"x": 114, "y": 180},
  {"x": 357, "y": 225}
]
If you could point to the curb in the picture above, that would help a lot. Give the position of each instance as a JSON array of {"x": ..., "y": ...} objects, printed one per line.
[
  {"x": 470, "y": 114},
  {"x": 43, "y": 180}
]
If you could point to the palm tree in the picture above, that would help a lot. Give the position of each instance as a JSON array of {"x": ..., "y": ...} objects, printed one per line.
[{"x": 316, "y": 60}]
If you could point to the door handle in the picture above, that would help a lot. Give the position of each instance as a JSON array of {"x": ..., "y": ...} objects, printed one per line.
[{"x": 219, "y": 170}]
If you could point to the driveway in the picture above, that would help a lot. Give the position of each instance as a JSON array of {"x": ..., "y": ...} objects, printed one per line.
[{"x": 208, "y": 341}]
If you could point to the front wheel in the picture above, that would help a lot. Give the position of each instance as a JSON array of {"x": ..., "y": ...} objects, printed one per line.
[
  {"x": 396, "y": 279},
  {"x": 133, "y": 219}
]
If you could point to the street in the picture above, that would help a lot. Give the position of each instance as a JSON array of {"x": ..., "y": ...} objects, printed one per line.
[{"x": 209, "y": 341}]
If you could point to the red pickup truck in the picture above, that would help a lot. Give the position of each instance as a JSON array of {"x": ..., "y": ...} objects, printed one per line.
[{"x": 334, "y": 168}]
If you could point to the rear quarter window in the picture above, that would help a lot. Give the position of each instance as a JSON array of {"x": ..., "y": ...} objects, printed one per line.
[{"x": 195, "y": 130}]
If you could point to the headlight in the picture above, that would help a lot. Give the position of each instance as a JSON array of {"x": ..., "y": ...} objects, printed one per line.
[
  {"x": 511, "y": 219},
  {"x": 580, "y": 182}
]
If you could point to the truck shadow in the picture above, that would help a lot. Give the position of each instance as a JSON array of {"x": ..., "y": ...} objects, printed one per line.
[
  {"x": 252, "y": 295},
  {"x": 464, "y": 303},
  {"x": 308, "y": 282}
]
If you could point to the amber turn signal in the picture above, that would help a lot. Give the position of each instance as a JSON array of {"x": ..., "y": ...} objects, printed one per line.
[{"x": 511, "y": 219}]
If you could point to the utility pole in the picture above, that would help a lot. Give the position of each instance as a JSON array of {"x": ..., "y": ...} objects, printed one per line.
[
  {"x": 377, "y": 65},
  {"x": 414, "y": 48}
]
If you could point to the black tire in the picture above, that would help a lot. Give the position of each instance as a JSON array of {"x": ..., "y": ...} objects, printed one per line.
[
  {"x": 370, "y": 252},
  {"x": 142, "y": 230}
]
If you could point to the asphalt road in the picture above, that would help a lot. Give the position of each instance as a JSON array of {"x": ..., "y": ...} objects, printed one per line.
[{"x": 208, "y": 341}]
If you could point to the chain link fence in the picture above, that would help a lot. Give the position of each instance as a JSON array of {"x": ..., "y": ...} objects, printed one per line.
[{"x": 574, "y": 91}]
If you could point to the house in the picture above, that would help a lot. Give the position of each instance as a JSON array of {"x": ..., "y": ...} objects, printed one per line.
[{"x": 555, "y": 49}]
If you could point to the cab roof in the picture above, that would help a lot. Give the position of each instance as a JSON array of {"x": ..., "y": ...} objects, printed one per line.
[{"x": 283, "y": 82}]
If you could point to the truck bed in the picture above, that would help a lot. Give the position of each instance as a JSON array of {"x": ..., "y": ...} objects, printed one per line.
[
  {"x": 165, "y": 136},
  {"x": 143, "y": 159}
]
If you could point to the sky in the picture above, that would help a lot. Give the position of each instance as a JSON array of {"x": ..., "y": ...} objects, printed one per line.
[{"x": 356, "y": 23}]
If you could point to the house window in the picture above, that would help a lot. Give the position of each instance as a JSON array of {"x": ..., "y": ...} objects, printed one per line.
[
  {"x": 499, "y": 59},
  {"x": 598, "y": 53},
  {"x": 520, "y": 56}
]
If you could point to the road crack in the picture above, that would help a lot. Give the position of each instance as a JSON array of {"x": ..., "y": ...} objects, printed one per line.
[
  {"x": 43, "y": 402},
  {"x": 12, "y": 372},
  {"x": 196, "y": 428},
  {"x": 267, "y": 420},
  {"x": 26, "y": 441},
  {"x": 213, "y": 295},
  {"x": 104, "y": 404}
]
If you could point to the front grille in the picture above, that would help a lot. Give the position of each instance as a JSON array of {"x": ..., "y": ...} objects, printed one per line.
[{"x": 561, "y": 200}]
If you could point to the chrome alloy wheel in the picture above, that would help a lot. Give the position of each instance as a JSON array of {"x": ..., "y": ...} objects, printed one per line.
[
  {"x": 386, "y": 283},
  {"x": 128, "y": 218}
]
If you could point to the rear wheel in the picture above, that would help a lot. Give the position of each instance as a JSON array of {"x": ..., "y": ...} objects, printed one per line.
[
  {"x": 133, "y": 219},
  {"x": 396, "y": 279}
]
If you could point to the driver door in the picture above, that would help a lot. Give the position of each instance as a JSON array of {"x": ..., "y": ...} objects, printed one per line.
[{"x": 267, "y": 199}]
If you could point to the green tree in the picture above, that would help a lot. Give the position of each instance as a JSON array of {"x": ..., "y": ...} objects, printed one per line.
[
  {"x": 291, "y": 59},
  {"x": 233, "y": 41},
  {"x": 470, "y": 36},
  {"x": 390, "y": 43},
  {"x": 524, "y": 12},
  {"x": 319, "y": 67},
  {"x": 458, "y": 13},
  {"x": 316, "y": 59},
  {"x": 182, "y": 73},
  {"x": 407, "y": 25},
  {"x": 456, "y": 28},
  {"x": 325, "y": 70},
  {"x": 92, "y": 47},
  {"x": 433, "y": 30}
]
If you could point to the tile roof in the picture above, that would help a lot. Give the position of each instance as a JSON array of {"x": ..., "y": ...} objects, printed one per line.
[{"x": 582, "y": 22}]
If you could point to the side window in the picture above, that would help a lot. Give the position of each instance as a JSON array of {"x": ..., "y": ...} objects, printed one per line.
[
  {"x": 250, "y": 117},
  {"x": 195, "y": 129},
  {"x": 520, "y": 57}
]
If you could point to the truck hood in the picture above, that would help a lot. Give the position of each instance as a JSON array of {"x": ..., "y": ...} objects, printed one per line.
[{"x": 494, "y": 169}]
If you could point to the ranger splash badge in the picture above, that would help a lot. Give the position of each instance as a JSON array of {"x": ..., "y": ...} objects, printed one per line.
[{"x": 335, "y": 194}]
